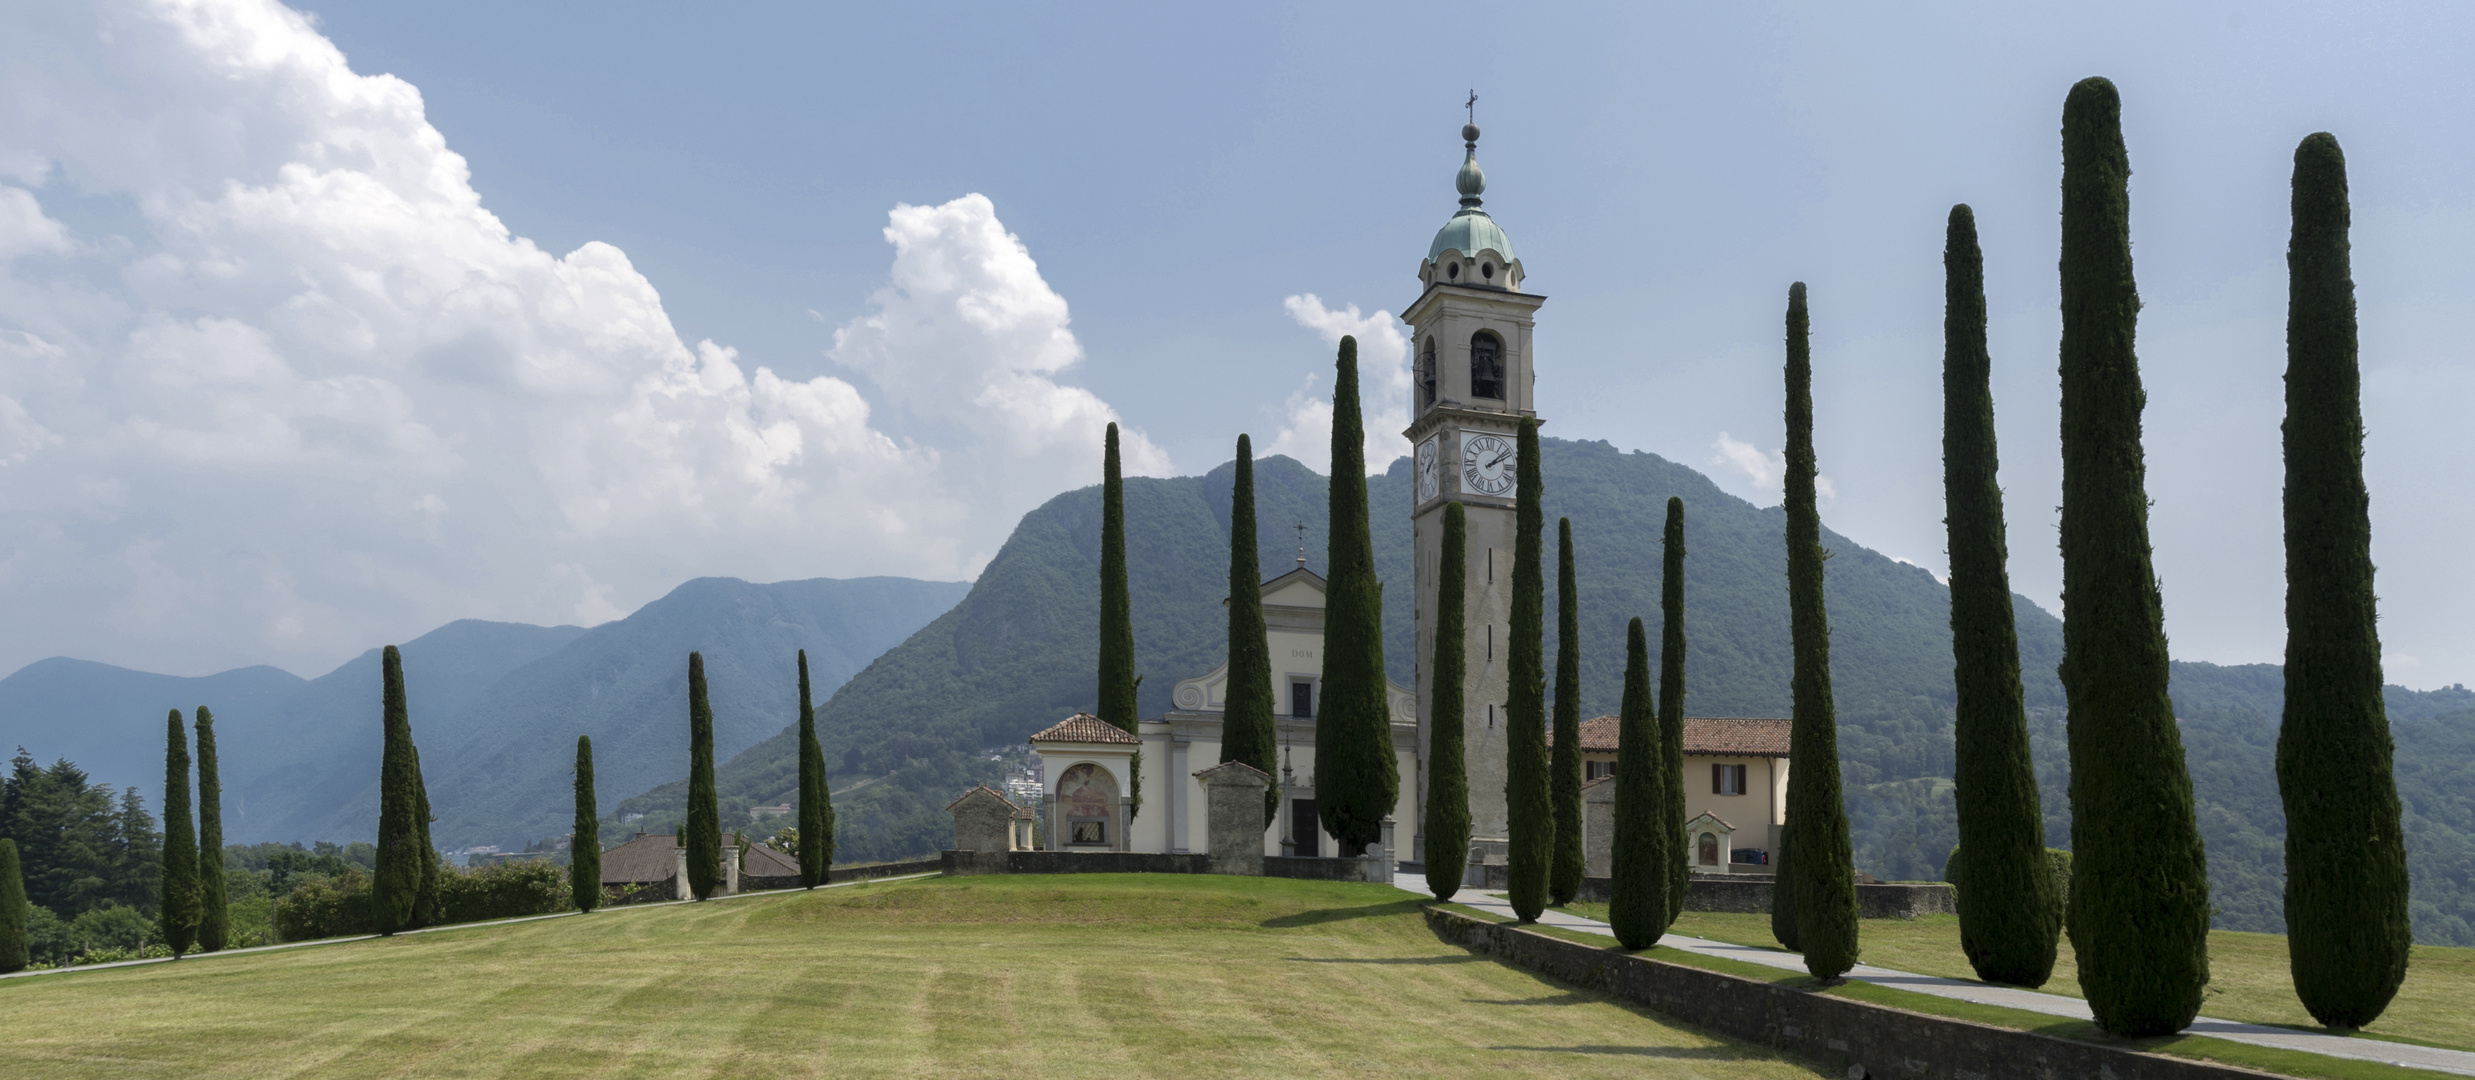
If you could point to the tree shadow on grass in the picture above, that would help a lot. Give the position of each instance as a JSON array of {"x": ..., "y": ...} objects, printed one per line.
[
  {"x": 1694, "y": 1053},
  {"x": 1321, "y": 916},
  {"x": 1464, "y": 958}
]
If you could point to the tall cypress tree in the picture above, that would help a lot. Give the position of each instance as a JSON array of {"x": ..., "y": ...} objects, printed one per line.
[
  {"x": 1448, "y": 778},
  {"x": 179, "y": 918},
  {"x": 2346, "y": 918},
  {"x": 704, "y": 823},
  {"x": 1782, "y": 892},
  {"x": 427, "y": 902},
  {"x": 1825, "y": 878},
  {"x": 214, "y": 905},
  {"x": 1671, "y": 705},
  {"x": 14, "y": 953},
  {"x": 2010, "y": 934},
  {"x": 1117, "y": 677},
  {"x": 2138, "y": 912},
  {"x": 1564, "y": 765},
  {"x": 1644, "y": 845},
  {"x": 1247, "y": 733},
  {"x": 1528, "y": 805},
  {"x": 584, "y": 846},
  {"x": 816, "y": 807},
  {"x": 395, "y": 882},
  {"x": 1357, "y": 781}
]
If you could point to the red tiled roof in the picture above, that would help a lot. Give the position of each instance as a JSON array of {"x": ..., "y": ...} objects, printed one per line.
[
  {"x": 1704, "y": 736},
  {"x": 1085, "y": 728}
]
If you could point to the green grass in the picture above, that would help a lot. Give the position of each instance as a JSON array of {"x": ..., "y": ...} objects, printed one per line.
[
  {"x": 1135, "y": 975},
  {"x": 2248, "y": 978}
]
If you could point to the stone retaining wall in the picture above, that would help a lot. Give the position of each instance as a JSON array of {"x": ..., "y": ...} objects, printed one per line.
[
  {"x": 1866, "y": 1040},
  {"x": 1316, "y": 869},
  {"x": 837, "y": 875},
  {"x": 1069, "y": 862},
  {"x": 1750, "y": 894}
]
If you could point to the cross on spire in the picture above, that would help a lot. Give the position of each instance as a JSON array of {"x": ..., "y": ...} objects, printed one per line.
[{"x": 1472, "y": 105}]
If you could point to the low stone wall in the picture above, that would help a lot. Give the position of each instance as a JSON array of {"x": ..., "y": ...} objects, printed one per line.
[
  {"x": 958, "y": 863},
  {"x": 1864, "y": 1040},
  {"x": 839, "y": 874},
  {"x": 1750, "y": 894},
  {"x": 1315, "y": 869}
]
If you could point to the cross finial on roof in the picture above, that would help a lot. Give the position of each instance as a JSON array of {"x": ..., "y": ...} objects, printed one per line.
[
  {"x": 1301, "y": 545},
  {"x": 1472, "y": 106}
]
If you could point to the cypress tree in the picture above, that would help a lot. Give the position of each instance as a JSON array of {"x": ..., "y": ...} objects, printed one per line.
[
  {"x": 1782, "y": 894},
  {"x": 2346, "y": 915},
  {"x": 1357, "y": 780},
  {"x": 1528, "y": 805},
  {"x": 179, "y": 918},
  {"x": 1117, "y": 677},
  {"x": 395, "y": 882},
  {"x": 1564, "y": 765},
  {"x": 584, "y": 848},
  {"x": 816, "y": 806},
  {"x": 1644, "y": 845},
  {"x": 1448, "y": 778},
  {"x": 1670, "y": 716},
  {"x": 14, "y": 954},
  {"x": 1825, "y": 878},
  {"x": 704, "y": 823},
  {"x": 427, "y": 904},
  {"x": 2138, "y": 912},
  {"x": 214, "y": 905},
  {"x": 2010, "y": 935},
  {"x": 1247, "y": 733}
]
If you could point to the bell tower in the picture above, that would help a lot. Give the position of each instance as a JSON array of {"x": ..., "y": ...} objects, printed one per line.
[{"x": 1472, "y": 376}]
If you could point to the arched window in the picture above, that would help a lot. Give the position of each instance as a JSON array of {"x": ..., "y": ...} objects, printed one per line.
[
  {"x": 1426, "y": 376},
  {"x": 1486, "y": 366}
]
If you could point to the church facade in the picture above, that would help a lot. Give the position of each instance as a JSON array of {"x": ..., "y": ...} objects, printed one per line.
[{"x": 1471, "y": 339}]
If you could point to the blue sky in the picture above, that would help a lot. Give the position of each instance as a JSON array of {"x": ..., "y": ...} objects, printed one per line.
[{"x": 1176, "y": 176}]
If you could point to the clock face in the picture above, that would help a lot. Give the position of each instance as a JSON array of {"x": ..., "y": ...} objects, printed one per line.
[
  {"x": 1430, "y": 468},
  {"x": 1487, "y": 464}
]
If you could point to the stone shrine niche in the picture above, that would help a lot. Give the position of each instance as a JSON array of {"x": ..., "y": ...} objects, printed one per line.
[{"x": 1087, "y": 806}]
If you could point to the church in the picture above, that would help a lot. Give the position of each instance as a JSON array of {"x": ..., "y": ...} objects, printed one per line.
[{"x": 1471, "y": 339}]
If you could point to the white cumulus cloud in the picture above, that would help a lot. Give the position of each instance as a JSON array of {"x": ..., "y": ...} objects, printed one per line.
[
  {"x": 298, "y": 391},
  {"x": 1383, "y": 388},
  {"x": 1765, "y": 470}
]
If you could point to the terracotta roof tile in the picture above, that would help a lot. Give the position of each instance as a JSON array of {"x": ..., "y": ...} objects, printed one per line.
[
  {"x": 1706, "y": 736},
  {"x": 1085, "y": 728},
  {"x": 650, "y": 858}
]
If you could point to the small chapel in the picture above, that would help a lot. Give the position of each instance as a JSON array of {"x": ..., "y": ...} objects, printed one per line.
[{"x": 1472, "y": 386}]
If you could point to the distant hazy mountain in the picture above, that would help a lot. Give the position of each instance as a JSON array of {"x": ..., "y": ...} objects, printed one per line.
[{"x": 496, "y": 708}]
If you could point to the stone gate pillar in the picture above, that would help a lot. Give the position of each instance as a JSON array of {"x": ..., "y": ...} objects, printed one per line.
[{"x": 1233, "y": 816}]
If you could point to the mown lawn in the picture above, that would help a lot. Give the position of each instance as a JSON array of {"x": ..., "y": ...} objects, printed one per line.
[
  {"x": 2248, "y": 977},
  {"x": 1134, "y": 975}
]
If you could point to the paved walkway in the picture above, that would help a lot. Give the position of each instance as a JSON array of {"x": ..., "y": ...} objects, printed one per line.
[{"x": 2460, "y": 1062}]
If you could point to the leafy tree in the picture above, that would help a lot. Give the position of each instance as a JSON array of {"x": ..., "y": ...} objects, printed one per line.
[
  {"x": 1825, "y": 878},
  {"x": 1564, "y": 874},
  {"x": 584, "y": 847},
  {"x": 1448, "y": 778},
  {"x": 1357, "y": 781},
  {"x": 1529, "y": 806},
  {"x": 2009, "y": 935},
  {"x": 1117, "y": 674},
  {"x": 13, "y": 910},
  {"x": 395, "y": 884},
  {"x": 816, "y": 801},
  {"x": 2347, "y": 928},
  {"x": 2139, "y": 908},
  {"x": 1644, "y": 846},
  {"x": 214, "y": 901},
  {"x": 704, "y": 824},
  {"x": 1247, "y": 732},
  {"x": 179, "y": 918},
  {"x": 1670, "y": 716}
]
